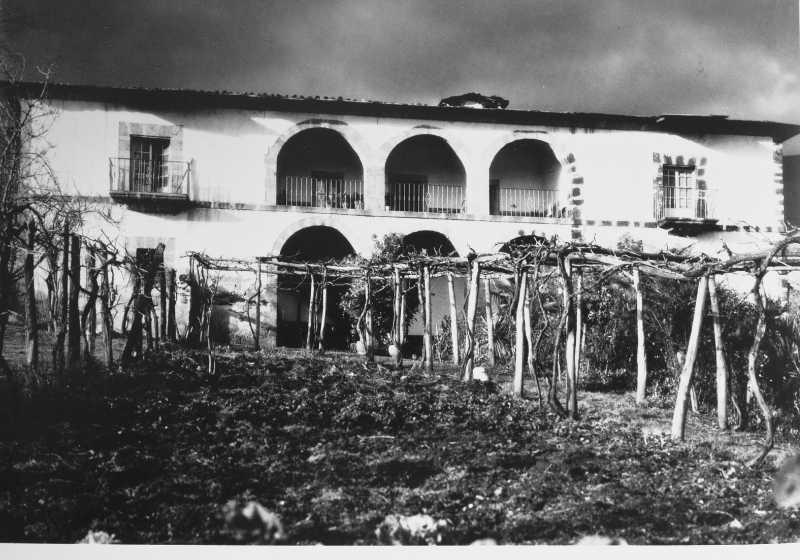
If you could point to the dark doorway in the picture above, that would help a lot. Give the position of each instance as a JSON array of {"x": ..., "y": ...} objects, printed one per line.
[{"x": 315, "y": 244}]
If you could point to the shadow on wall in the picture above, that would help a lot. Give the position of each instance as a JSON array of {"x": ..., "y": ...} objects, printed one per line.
[{"x": 791, "y": 189}]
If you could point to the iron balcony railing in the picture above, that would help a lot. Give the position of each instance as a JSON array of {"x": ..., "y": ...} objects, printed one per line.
[
  {"x": 527, "y": 201},
  {"x": 321, "y": 192},
  {"x": 685, "y": 203},
  {"x": 425, "y": 197},
  {"x": 133, "y": 175}
]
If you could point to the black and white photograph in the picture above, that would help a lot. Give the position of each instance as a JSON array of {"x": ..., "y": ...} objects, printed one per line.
[{"x": 399, "y": 273}]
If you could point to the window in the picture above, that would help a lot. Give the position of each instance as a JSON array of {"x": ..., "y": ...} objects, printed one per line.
[
  {"x": 149, "y": 164},
  {"x": 678, "y": 183}
]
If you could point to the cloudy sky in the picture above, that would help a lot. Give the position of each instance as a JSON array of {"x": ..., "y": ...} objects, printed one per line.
[{"x": 734, "y": 57}]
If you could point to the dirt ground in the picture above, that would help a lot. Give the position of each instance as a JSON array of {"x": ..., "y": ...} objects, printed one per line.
[{"x": 333, "y": 446}]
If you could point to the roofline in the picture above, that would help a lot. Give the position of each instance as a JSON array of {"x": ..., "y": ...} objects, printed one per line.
[{"x": 184, "y": 99}]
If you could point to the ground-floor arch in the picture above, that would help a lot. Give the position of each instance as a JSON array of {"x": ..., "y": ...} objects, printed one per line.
[{"x": 316, "y": 244}]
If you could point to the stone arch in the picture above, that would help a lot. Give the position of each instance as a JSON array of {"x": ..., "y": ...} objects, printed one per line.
[
  {"x": 458, "y": 147},
  {"x": 423, "y": 173},
  {"x": 571, "y": 178},
  {"x": 351, "y": 136},
  {"x": 315, "y": 221}
]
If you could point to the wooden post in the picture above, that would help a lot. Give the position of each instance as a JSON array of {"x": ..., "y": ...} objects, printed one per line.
[
  {"x": 369, "y": 343},
  {"x": 324, "y": 313},
  {"x": 74, "y": 325},
  {"x": 257, "y": 337},
  {"x": 569, "y": 343},
  {"x": 453, "y": 318},
  {"x": 641, "y": 356},
  {"x": 31, "y": 321},
  {"x": 528, "y": 319},
  {"x": 487, "y": 296},
  {"x": 722, "y": 369},
  {"x": 89, "y": 316},
  {"x": 58, "y": 347},
  {"x": 172, "y": 327},
  {"x": 397, "y": 316},
  {"x": 311, "y": 313},
  {"x": 194, "y": 334},
  {"x": 519, "y": 331},
  {"x": 679, "y": 416},
  {"x": 162, "y": 300},
  {"x": 402, "y": 312},
  {"x": 472, "y": 306},
  {"x": 426, "y": 337},
  {"x": 108, "y": 327},
  {"x": 578, "y": 319}
]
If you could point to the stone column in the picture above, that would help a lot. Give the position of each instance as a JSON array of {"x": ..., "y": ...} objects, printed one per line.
[
  {"x": 374, "y": 188},
  {"x": 477, "y": 188}
]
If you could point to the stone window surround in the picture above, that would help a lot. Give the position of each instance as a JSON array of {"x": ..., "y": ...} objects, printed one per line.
[{"x": 173, "y": 132}]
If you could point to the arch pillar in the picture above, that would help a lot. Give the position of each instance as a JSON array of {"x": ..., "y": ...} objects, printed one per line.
[
  {"x": 271, "y": 182},
  {"x": 477, "y": 188},
  {"x": 374, "y": 187}
]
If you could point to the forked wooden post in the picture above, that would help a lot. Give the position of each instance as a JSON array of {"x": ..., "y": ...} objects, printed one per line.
[
  {"x": 487, "y": 300},
  {"x": 397, "y": 316},
  {"x": 108, "y": 324},
  {"x": 472, "y": 306},
  {"x": 74, "y": 332},
  {"x": 369, "y": 343},
  {"x": 722, "y": 368},
  {"x": 172, "y": 326},
  {"x": 31, "y": 322},
  {"x": 91, "y": 320},
  {"x": 641, "y": 356},
  {"x": 519, "y": 332},
  {"x": 257, "y": 337},
  {"x": 402, "y": 312},
  {"x": 453, "y": 318},
  {"x": 311, "y": 313},
  {"x": 578, "y": 273},
  {"x": 679, "y": 416},
  {"x": 426, "y": 271},
  {"x": 569, "y": 342},
  {"x": 324, "y": 313},
  {"x": 162, "y": 300}
]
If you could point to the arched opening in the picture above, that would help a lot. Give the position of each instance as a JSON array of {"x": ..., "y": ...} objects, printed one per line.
[
  {"x": 317, "y": 167},
  {"x": 523, "y": 244},
  {"x": 431, "y": 242},
  {"x": 311, "y": 244},
  {"x": 523, "y": 181},
  {"x": 424, "y": 174}
]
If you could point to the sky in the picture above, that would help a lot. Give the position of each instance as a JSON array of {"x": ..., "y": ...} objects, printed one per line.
[{"x": 733, "y": 57}]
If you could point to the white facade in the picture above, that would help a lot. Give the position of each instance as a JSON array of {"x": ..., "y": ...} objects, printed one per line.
[{"x": 600, "y": 183}]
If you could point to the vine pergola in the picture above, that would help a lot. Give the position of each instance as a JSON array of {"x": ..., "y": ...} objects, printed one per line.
[{"x": 529, "y": 262}]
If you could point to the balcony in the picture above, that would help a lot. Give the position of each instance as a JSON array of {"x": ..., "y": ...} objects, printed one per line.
[
  {"x": 153, "y": 184},
  {"x": 425, "y": 197},
  {"x": 321, "y": 192},
  {"x": 685, "y": 210},
  {"x": 526, "y": 201}
]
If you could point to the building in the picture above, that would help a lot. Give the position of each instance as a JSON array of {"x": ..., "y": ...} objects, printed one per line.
[{"x": 245, "y": 175}]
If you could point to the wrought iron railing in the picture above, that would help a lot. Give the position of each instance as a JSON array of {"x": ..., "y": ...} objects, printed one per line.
[
  {"x": 425, "y": 197},
  {"x": 149, "y": 176},
  {"x": 684, "y": 203},
  {"x": 526, "y": 201},
  {"x": 321, "y": 192}
]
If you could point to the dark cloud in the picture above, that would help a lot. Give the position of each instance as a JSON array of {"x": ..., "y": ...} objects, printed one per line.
[{"x": 641, "y": 56}]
